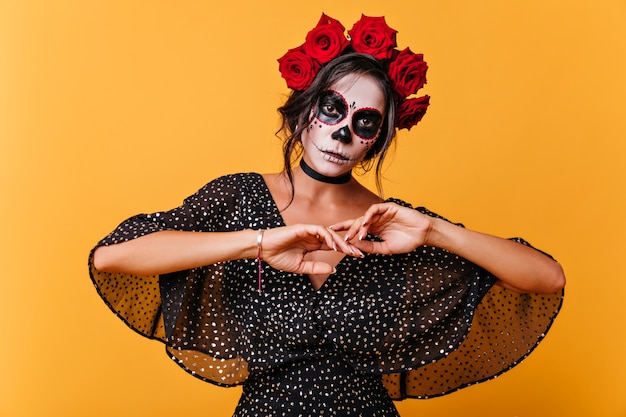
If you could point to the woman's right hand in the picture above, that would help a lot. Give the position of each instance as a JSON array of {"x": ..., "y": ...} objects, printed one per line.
[{"x": 285, "y": 248}]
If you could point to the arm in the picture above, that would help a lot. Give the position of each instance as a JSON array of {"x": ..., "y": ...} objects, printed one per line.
[
  {"x": 518, "y": 267},
  {"x": 188, "y": 236},
  {"x": 169, "y": 250}
]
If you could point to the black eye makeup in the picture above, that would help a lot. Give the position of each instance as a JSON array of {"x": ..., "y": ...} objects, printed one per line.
[
  {"x": 366, "y": 123},
  {"x": 331, "y": 108}
]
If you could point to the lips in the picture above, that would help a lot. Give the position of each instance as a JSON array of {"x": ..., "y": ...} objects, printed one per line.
[
  {"x": 335, "y": 156},
  {"x": 332, "y": 155}
]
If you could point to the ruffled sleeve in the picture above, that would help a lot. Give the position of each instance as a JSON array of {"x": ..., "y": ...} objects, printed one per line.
[
  {"x": 162, "y": 307},
  {"x": 494, "y": 329},
  {"x": 506, "y": 328}
]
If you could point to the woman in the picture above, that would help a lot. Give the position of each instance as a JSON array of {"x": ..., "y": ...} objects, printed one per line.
[{"x": 304, "y": 285}]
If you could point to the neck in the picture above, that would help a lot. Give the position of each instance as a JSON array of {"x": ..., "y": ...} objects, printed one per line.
[{"x": 342, "y": 179}]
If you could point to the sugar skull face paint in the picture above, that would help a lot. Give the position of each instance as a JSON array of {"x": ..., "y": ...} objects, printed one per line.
[
  {"x": 332, "y": 108},
  {"x": 344, "y": 124}
]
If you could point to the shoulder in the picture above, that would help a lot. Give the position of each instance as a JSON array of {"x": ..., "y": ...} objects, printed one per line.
[
  {"x": 229, "y": 186},
  {"x": 240, "y": 176},
  {"x": 235, "y": 181}
]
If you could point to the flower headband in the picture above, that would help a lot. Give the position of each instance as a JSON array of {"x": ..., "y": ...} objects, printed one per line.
[{"x": 372, "y": 36}]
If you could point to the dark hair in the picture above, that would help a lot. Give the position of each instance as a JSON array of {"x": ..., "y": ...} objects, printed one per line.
[{"x": 297, "y": 110}]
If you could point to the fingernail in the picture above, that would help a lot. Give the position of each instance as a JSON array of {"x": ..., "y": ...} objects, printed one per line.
[
  {"x": 361, "y": 236},
  {"x": 334, "y": 270},
  {"x": 335, "y": 247},
  {"x": 330, "y": 227}
]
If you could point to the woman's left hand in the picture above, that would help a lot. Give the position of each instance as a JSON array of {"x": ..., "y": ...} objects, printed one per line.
[{"x": 401, "y": 229}]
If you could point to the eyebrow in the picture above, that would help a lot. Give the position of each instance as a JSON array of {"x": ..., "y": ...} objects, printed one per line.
[
  {"x": 351, "y": 106},
  {"x": 335, "y": 95},
  {"x": 369, "y": 110}
]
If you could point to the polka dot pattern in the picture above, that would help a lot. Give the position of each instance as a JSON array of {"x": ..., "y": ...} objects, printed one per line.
[
  {"x": 324, "y": 385},
  {"x": 418, "y": 325}
]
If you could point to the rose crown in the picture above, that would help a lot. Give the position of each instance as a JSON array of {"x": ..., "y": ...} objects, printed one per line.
[{"x": 372, "y": 36}]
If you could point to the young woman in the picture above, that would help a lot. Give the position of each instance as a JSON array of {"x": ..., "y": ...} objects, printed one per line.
[{"x": 315, "y": 293}]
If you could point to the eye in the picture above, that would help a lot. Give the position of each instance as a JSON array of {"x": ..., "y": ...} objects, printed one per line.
[
  {"x": 366, "y": 123},
  {"x": 331, "y": 108}
]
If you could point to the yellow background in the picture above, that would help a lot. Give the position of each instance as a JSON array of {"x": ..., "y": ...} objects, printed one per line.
[{"x": 111, "y": 108}]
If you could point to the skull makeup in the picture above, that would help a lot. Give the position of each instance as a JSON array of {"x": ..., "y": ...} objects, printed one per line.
[
  {"x": 345, "y": 123},
  {"x": 332, "y": 109}
]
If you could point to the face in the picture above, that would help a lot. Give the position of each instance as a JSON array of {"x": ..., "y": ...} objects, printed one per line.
[{"x": 344, "y": 125}]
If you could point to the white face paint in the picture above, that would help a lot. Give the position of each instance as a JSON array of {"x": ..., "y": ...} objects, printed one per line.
[
  {"x": 333, "y": 108},
  {"x": 344, "y": 125}
]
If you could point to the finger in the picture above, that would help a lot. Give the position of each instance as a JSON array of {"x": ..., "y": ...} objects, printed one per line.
[
  {"x": 366, "y": 246},
  {"x": 361, "y": 227},
  {"x": 354, "y": 231},
  {"x": 351, "y": 227},
  {"x": 314, "y": 233},
  {"x": 315, "y": 267},
  {"x": 377, "y": 216},
  {"x": 341, "y": 226},
  {"x": 369, "y": 246},
  {"x": 328, "y": 239},
  {"x": 344, "y": 246},
  {"x": 374, "y": 213}
]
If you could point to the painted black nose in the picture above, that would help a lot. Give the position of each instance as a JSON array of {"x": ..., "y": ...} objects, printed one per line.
[{"x": 342, "y": 135}]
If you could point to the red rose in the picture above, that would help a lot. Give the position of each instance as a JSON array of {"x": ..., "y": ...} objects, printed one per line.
[
  {"x": 326, "y": 41},
  {"x": 372, "y": 36},
  {"x": 411, "y": 111},
  {"x": 408, "y": 73},
  {"x": 298, "y": 69}
]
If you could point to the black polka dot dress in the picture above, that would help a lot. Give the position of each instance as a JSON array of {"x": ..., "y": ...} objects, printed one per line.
[{"x": 382, "y": 328}]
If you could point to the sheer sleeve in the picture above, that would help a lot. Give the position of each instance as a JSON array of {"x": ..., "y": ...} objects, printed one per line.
[
  {"x": 497, "y": 329},
  {"x": 163, "y": 307},
  {"x": 506, "y": 328}
]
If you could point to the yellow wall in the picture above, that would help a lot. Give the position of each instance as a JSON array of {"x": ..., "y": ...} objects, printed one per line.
[{"x": 110, "y": 108}]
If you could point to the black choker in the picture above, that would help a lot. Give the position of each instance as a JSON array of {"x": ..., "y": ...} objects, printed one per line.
[{"x": 342, "y": 179}]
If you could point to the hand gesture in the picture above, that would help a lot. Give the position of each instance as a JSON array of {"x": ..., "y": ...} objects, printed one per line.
[
  {"x": 285, "y": 248},
  {"x": 401, "y": 229}
]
